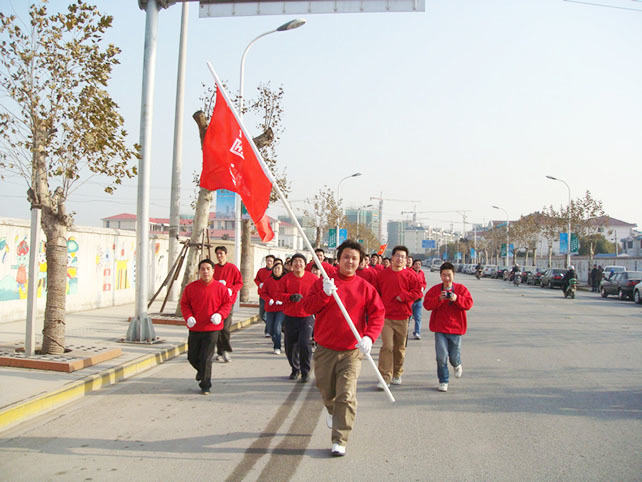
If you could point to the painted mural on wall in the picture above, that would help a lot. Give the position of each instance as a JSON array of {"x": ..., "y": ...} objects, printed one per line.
[{"x": 14, "y": 268}]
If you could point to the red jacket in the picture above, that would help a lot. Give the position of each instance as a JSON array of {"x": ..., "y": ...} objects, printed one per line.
[
  {"x": 270, "y": 291},
  {"x": 291, "y": 285},
  {"x": 329, "y": 269},
  {"x": 422, "y": 278},
  {"x": 368, "y": 274},
  {"x": 448, "y": 316},
  {"x": 261, "y": 275},
  {"x": 404, "y": 284},
  {"x": 362, "y": 303},
  {"x": 232, "y": 276},
  {"x": 201, "y": 301}
]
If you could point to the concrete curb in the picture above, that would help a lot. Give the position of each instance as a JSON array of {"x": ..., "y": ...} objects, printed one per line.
[{"x": 21, "y": 411}]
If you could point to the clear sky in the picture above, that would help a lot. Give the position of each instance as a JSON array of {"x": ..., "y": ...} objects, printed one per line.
[{"x": 467, "y": 105}]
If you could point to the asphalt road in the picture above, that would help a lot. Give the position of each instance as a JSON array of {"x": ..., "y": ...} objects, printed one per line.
[{"x": 551, "y": 390}]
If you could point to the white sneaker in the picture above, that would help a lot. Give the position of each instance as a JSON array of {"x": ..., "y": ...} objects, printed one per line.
[
  {"x": 277, "y": 352},
  {"x": 219, "y": 358},
  {"x": 417, "y": 336},
  {"x": 267, "y": 335},
  {"x": 443, "y": 387},
  {"x": 338, "y": 450},
  {"x": 396, "y": 380},
  {"x": 226, "y": 357},
  {"x": 458, "y": 370},
  {"x": 380, "y": 386},
  {"x": 328, "y": 420}
]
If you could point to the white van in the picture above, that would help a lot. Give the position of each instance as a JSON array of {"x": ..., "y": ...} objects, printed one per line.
[{"x": 435, "y": 265}]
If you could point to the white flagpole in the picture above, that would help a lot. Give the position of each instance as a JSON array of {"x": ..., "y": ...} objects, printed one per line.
[{"x": 266, "y": 169}]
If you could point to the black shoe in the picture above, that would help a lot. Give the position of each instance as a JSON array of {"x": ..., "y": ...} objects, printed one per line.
[
  {"x": 199, "y": 377},
  {"x": 294, "y": 375},
  {"x": 305, "y": 378}
]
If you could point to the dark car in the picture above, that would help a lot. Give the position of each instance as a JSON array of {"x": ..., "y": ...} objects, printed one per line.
[
  {"x": 499, "y": 272},
  {"x": 526, "y": 270},
  {"x": 534, "y": 276},
  {"x": 621, "y": 284},
  {"x": 552, "y": 277}
]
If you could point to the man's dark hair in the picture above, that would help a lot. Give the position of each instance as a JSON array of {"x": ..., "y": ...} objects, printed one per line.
[
  {"x": 350, "y": 244},
  {"x": 208, "y": 261},
  {"x": 220, "y": 248},
  {"x": 400, "y": 248},
  {"x": 445, "y": 266},
  {"x": 319, "y": 250},
  {"x": 270, "y": 256},
  {"x": 298, "y": 255}
]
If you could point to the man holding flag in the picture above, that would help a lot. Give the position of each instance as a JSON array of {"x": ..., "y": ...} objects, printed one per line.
[{"x": 337, "y": 361}]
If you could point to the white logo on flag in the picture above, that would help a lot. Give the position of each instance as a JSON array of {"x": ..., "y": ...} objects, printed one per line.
[{"x": 237, "y": 146}]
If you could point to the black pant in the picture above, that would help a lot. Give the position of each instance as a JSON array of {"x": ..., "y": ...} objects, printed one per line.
[
  {"x": 200, "y": 350},
  {"x": 298, "y": 331},
  {"x": 223, "y": 343}
]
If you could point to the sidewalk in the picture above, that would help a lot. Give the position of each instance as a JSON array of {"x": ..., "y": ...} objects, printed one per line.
[{"x": 27, "y": 393}]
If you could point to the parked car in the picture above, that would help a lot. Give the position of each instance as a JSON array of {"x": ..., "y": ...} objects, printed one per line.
[
  {"x": 637, "y": 293},
  {"x": 489, "y": 270},
  {"x": 499, "y": 272},
  {"x": 621, "y": 284},
  {"x": 526, "y": 270},
  {"x": 609, "y": 271},
  {"x": 552, "y": 277},
  {"x": 534, "y": 276},
  {"x": 435, "y": 265}
]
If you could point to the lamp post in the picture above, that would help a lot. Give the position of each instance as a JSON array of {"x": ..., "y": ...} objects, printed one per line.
[
  {"x": 356, "y": 174},
  {"x": 507, "y": 233},
  {"x": 292, "y": 24},
  {"x": 568, "y": 251}
]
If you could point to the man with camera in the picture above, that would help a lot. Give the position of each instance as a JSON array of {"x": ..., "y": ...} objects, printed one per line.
[{"x": 448, "y": 303}]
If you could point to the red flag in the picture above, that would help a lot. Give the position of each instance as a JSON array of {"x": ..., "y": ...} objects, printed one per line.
[
  {"x": 229, "y": 162},
  {"x": 382, "y": 249}
]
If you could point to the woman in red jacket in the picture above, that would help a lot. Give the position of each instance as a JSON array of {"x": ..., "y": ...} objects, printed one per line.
[{"x": 273, "y": 306}]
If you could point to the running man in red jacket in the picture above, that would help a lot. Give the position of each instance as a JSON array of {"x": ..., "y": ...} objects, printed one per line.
[
  {"x": 337, "y": 361},
  {"x": 229, "y": 276},
  {"x": 204, "y": 305},
  {"x": 448, "y": 303},
  {"x": 399, "y": 288}
]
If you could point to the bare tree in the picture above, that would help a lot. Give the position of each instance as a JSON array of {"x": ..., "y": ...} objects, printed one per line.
[
  {"x": 326, "y": 212},
  {"x": 587, "y": 220},
  {"x": 58, "y": 125}
]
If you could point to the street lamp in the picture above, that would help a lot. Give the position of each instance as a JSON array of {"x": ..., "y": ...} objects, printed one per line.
[
  {"x": 356, "y": 174},
  {"x": 507, "y": 233},
  {"x": 292, "y": 24},
  {"x": 568, "y": 251}
]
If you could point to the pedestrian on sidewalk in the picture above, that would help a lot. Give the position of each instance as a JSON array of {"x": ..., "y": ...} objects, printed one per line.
[
  {"x": 229, "y": 276},
  {"x": 273, "y": 305},
  {"x": 448, "y": 303},
  {"x": 298, "y": 323},
  {"x": 399, "y": 288},
  {"x": 596, "y": 277},
  {"x": 337, "y": 361},
  {"x": 204, "y": 305},
  {"x": 261, "y": 275},
  {"x": 417, "y": 306}
]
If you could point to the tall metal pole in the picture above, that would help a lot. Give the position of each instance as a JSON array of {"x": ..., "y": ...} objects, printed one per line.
[
  {"x": 507, "y": 234},
  {"x": 292, "y": 24},
  {"x": 177, "y": 158},
  {"x": 141, "y": 327},
  {"x": 568, "y": 251},
  {"x": 32, "y": 290}
]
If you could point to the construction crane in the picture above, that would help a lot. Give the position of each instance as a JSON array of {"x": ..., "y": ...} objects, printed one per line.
[
  {"x": 461, "y": 212},
  {"x": 381, "y": 199}
]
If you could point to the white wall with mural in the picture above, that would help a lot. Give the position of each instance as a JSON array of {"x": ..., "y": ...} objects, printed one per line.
[{"x": 101, "y": 267}]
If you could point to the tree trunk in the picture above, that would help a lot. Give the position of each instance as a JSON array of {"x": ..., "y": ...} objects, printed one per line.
[
  {"x": 535, "y": 256},
  {"x": 246, "y": 260},
  {"x": 317, "y": 240},
  {"x": 53, "y": 334},
  {"x": 550, "y": 255}
]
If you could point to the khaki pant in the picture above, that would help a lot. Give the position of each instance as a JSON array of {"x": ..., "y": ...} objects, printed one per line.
[
  {"x": 393, "y": 348},
  {"x": 336, "y": 374}
]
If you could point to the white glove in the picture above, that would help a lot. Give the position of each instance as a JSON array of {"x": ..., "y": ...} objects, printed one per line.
[
  {"x": 261, "y": 285},
  {"x": 365, "y": 345},
  {"x": 229, "y": 290},
  {"x": 279, "y": 303},
  {"x": 328, "y": 286},
  {"x": 222, "y": 281},
  {"x": 271, "y": 302},
  {"x": 216, "y": 318},
  {"x": 191, "y": 321}
]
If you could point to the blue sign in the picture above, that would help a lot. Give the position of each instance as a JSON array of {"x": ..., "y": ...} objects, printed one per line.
[
  {"x": 473, "y": 253},
  {"x": 428, "y": 244},
  {"x": 343, "y": 235},
  {"x": 225, "y": 203},
  {"x": 458, "y": 255}
]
